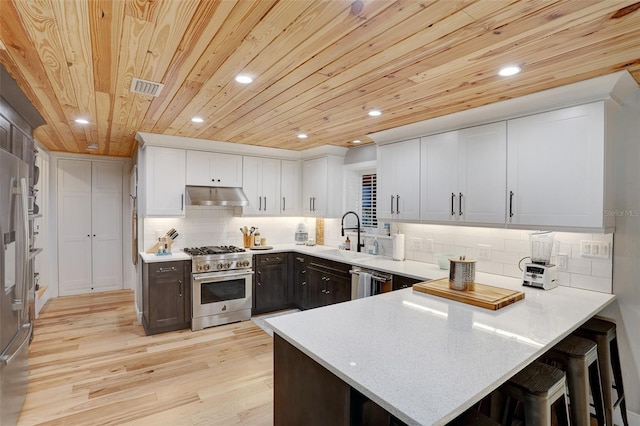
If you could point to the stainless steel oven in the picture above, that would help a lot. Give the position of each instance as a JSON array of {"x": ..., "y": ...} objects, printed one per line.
[{"x": 221, "y": 286}]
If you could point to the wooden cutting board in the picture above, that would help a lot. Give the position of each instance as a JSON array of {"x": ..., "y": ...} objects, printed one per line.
[{"x": 485, "y": 296}]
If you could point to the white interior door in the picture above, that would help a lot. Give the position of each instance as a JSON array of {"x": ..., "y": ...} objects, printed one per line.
[
  {"x": 74, "y": 226},
  {"x": 106, "y": 213}
]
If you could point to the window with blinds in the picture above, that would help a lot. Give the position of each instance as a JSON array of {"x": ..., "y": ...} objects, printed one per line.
[{"x": 368, "y": 201}]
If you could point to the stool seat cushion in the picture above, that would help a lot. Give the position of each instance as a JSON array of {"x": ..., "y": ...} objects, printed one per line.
[{"x": 537, "y": 378}]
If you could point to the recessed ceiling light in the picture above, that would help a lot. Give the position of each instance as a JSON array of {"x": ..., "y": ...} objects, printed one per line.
[
  {"x": 197, "y": 120},
  {"x": 302, "y": 135},
  {"x": 509, "y": 70},
  {"x": 356, "y": 141},
  {"x": 244, "y": 79},
  {"x": 92, "y": 146},
  {"x": 375, "y": 112},
  {"x": 82, "y": 121}
]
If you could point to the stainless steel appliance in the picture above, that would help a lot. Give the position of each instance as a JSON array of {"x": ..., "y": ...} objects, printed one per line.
[
  {"x": 221, "y": 280},
  {"x": 540, "y": 273},
  {"x": 15, "y": 276},
  {"x": 379, "y": 282}
]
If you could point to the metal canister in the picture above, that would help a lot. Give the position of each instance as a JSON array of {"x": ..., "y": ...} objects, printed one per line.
[{"x": 462, "y": 274}]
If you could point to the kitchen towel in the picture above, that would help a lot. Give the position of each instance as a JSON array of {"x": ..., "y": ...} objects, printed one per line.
[
  {"x": 364, "y": 285},
  {"x": 398, "y": 247}
]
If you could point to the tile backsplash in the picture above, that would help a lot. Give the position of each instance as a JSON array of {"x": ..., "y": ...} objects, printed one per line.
[{"x": 219, "y": 226}]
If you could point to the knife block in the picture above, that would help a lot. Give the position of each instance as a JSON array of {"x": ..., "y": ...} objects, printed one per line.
[{"x": 161, "y": 241}]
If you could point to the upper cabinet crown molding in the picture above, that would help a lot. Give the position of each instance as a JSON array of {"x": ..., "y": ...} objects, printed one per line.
[
  {"x": 169, "y": 141},
  {"x": 614, "y": 86}
]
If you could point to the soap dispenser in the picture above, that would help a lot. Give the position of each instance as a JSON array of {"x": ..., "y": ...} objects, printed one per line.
[
  {"x": 347, "y": 244},
  {"x": 375, "y": 246}
]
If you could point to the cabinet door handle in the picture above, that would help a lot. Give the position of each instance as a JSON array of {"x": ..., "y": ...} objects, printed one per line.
[
  {"x": 284, "y": 204},
  {"x": 397, "y": 204},
  {"x": 180, "y": 287},
  {"x": 303, "y": 283},
  {"x": 453, "y": 198},
  {"x": 161, "y": 269},
  {"x": 300, "y": 259},
  {"x": 310, "y": 204},
  {"x": 460, "y": 204},
  {"x": 265, "y": 204},
  {"x": 392, "y": 197},
  {"x": 314, "y": 203},
  {"x": 258, "y": 280},
  {"x": 510, "y": 203},
  {"x": 181, "y": 202}
]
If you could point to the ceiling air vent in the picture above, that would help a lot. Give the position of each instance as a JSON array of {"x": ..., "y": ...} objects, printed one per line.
[{"x": 146, "y": 87}]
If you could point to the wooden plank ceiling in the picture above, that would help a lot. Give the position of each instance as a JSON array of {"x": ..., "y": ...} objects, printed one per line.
[{"x": 319, "y": 66}]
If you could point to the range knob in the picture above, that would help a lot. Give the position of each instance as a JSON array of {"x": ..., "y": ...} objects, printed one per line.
[
  {"x": 227, "y": 265},
  {"x": 245, "y": 263},
  {"x": 220, "y": 266},
  {"x": 206, "y": 266}
]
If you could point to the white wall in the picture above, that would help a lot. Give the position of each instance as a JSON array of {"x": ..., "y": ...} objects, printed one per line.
[{"x": 625, "y": 311}]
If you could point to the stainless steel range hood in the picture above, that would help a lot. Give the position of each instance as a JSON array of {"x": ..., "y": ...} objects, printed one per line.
[{"x": 216, "y": 196}]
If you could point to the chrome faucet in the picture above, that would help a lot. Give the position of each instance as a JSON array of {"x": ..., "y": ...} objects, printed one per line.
[{"x": 358, "y": 245}]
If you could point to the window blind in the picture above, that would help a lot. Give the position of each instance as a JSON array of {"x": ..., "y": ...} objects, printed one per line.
[{"x": 368, "y": 201}]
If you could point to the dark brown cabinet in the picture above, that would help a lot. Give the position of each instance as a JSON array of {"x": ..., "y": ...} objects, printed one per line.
[
  {"x": 400, "y": 282},
  {"x": 299, "y": 285},
  {"x": 166, "y": 296},
  {"x": 329, "y": 282},
  {"x": 270, "y": 287}
]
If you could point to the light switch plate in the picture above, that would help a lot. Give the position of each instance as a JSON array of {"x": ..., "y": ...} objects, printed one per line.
[
  {"x": 595, "y": 249},
  {"x": 415, "y": 243}
]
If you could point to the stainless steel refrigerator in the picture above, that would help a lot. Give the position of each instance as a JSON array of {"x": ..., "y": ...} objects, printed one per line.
[{"x": 15, "y": 325}]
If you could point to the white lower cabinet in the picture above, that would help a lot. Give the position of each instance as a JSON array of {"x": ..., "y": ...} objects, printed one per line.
[
  {"x": 261, "y": 184},
  {"x": 556, "y": 168},
  {"x": 463, "y": 175},
  {"x": 399, "y": 180},
  {"x": 89, "y": 226}
]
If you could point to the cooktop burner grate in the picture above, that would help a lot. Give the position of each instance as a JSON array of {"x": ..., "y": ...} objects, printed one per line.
[{"x": 206, "y": 250}]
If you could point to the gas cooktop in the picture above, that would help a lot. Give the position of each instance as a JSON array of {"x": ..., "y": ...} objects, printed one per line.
[{"x": 209, "y": 250}]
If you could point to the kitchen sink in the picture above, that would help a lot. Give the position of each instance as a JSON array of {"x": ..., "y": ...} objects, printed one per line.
[{"x": 344, "y": 254}]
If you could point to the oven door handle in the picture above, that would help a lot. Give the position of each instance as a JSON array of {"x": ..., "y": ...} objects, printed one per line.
[{"x": 216, "y": 276}]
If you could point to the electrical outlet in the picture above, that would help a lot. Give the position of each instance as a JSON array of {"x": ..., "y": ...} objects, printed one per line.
[
  {"x": 563, "y": 261},
  {"x": 484, "y": 252},
  {"x": 415, "y": 243},
  {"x": 430, "y": 245}
]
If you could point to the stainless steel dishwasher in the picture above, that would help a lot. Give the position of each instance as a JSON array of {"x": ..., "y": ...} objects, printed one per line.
[{"x": 381, "y": 282}]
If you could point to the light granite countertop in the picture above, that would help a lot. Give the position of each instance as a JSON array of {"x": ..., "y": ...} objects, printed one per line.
[{"x": 426, "y": 359}]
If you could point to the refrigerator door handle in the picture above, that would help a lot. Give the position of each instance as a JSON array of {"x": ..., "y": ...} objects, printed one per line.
[
  {"x": 20, "y": 293},
  {"x": 5, "y": 359}
]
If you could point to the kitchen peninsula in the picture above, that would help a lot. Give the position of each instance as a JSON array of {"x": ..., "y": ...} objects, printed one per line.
[{"x": 420, "y": 358}]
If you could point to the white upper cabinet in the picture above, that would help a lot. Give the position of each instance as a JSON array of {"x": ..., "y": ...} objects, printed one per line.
[
  {"x": 399, "y": 180},
  {"x": 463, "y": 175},
  {"x": 322, "y": 187},
  {"x": 213, "y": 169},
  {"x": 164, "y": 181},
  {"x": 291, "y": 176},
  {"x": 261, "y": 178},
  {"x": 556, "y": 168}
]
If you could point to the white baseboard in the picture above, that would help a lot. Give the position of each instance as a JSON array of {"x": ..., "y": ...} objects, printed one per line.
[{"x": 634, "y": 418}]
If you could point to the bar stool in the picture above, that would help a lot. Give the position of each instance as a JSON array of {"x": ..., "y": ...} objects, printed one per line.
[
  {"x": 472, "y": 417},
  {"x": 538, "y": 386},
  {"x": 604, "y": 334},
  {"x": 578, "y": 357}
]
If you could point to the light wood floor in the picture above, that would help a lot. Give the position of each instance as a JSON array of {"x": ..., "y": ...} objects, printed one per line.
[{"x": 91, "y": 364}]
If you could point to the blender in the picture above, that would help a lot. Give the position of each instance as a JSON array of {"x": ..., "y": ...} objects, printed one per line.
[{"x": 540, "y": 273}]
